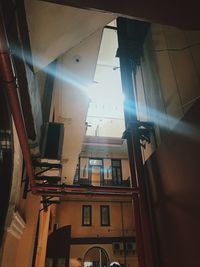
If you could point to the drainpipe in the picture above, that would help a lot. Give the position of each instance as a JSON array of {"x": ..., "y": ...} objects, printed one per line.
[
  {"x": 123, "y": 232},
  {"x": 9, "y": 80}
]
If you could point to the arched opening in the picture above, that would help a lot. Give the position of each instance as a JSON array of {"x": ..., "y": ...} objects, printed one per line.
[
  {"x": 6, "y": 158},
  {"x": 96, "y": 257}
]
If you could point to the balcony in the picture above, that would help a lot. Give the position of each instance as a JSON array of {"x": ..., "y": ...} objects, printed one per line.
[
  {"x": 106, "y": 182},
  {"x": 101, "y": 172}
]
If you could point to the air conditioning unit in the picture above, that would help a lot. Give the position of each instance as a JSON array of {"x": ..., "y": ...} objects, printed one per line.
[
  {"x": 117, "y": 247},
  {"x": 52, "y": 140},
  {"x": 130, "y": 247}
]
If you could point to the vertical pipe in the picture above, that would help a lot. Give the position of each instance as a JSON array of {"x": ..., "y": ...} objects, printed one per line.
[
  {"x": 143, "y": 235},
  {"x": 136, "y": 206},
  {"x": 9, "y": 81},
  {"x": 100, "y": 259},
  {"x": 123, "y": 234}
]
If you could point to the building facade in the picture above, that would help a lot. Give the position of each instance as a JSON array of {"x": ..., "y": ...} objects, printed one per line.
[{"x": 87, "y": 205}]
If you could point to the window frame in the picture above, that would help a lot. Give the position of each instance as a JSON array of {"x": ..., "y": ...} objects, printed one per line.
[
  {"x": 83, "y": 215},
  {"x": 118, "y": 179},
  {"x": 108, "y": 215}
]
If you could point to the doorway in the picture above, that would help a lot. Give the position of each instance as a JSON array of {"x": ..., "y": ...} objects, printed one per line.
[{"x": 96, "y": 171}]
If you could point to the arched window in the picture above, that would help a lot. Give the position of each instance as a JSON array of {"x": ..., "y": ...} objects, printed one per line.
[{"x": 96, "y": 257}]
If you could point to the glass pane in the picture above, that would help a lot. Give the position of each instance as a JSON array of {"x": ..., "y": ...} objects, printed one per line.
[
  {"x": 96, "y": 162},
  {"x": 116, "y": 163},
  {"x": 119, "y": 175},
  {"x": 86, "y": 215},
  {"x": 114, "y": 175},
  {"x": 96, "y": 175},
  {"x": 107, "y": 169},
  {"x": 61, "y": 262},
  {"x": 105, "y": 220},
  {"x": 84, "y": 168},
  {"x": 96, "y": 257}
]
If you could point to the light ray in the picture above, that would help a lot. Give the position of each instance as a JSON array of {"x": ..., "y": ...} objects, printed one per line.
[{"x": 166, "y": 121}]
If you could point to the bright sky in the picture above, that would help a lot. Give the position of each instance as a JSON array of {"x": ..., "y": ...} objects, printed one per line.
[{"x": 106, "y": 91}]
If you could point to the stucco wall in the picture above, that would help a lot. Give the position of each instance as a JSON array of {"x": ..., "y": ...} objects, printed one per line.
[
  {"x": 70, "y": 213},
  {"x": 79, "y": 251}
]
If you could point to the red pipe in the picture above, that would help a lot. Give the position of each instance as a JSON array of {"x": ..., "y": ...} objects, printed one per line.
[
  {"x": 95, "y": 192},
  {"x": 91, "y": 189},
  {"x": 85, "y": 195},
  {"x": 139, "y": 232},
  {"x": 9, "y": 81}
]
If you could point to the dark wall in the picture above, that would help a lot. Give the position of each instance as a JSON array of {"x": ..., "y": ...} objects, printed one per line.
[
  {"x": 177, "y": 13},
  {"x": 174, "y": 185},
  {"x": 58, "y": 243},
  {"x": 14, "y": 19},
  {"x": 6, "y": 158}
]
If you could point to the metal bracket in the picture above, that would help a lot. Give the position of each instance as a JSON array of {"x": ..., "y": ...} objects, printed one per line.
[
  {"x": 46, "y": 201},
  {"x": 144, "y": 129},
  {"x": 45, "y": 166}
]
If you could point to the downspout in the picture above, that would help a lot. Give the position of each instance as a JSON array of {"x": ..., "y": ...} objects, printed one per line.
[
  {"x": 9, "y": 80},
  {"x": 123, "y": 231}
]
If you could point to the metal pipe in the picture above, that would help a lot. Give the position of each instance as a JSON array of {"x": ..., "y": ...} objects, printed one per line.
[
  {"x": 84, "y": 195},
  {"x": 62, "y": 193},
  {"x": 9, "y": 80},
  {"x": 91, "y": 189}
]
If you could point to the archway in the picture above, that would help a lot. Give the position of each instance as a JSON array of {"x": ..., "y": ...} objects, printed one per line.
[{"x": 96, "y": 257}]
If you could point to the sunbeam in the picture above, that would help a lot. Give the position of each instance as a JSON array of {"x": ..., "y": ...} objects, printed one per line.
[{"x": 165, "y": 121}]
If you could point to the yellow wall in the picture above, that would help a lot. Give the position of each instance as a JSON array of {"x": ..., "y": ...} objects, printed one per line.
[
  {"x": 26, "y": 244},
  {"x": 70, "y": 213},
  {"x": 43, "y": 236},
  {"x": 121, "y": 224},
  {"x": 9, "y": 250},
  {"x": 19, "y": 252}
]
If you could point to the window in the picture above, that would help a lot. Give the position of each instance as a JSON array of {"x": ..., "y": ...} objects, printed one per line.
[
  {"x": 86, "y": 215},
  {"x": 116, "y": 172},
  {"x": 96, "y": 171},
  {"x": 96, "y": 162},
  {"x": 105, "y": 215}
]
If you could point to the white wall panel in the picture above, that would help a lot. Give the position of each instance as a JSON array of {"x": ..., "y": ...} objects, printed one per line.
[
  {"x": 72, "y": 102},
  {"x": 54, "y": 29}
]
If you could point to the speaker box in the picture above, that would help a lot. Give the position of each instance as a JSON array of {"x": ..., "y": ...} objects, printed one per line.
[{"x": 52, "y": 140}]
